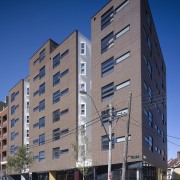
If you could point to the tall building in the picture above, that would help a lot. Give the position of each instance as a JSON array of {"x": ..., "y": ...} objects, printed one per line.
[
  {"x": 3, "y": 138},
  {"x": 57, "y": 109},
  {"x": 126, "y": 57},
  {"x": 19, "y": 116}
]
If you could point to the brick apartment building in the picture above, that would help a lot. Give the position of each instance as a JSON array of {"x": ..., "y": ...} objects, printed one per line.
[
  {"x": 126, "y": 57},
  {"x": 47, "y": 109}
]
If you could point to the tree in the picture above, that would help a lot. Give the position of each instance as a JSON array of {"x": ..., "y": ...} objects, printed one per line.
[
  {"x": 82, "y": 154},
  {"x": 21, "y": 160}
]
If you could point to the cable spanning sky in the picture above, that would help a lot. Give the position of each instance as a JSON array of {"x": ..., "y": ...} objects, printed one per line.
[{"x": 26, "y": 25}]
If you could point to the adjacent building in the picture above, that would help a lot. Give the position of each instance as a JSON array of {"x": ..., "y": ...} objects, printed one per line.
[
  {"x": 3, "y": 138},
  {"x": 173, "y": 171},
  {"x": 57, "y": 109},
  {"x": 19, "y": 116},
  {"x": 126, "y": 57}
]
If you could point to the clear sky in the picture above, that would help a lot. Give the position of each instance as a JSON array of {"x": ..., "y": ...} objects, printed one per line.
[{"x": 26, "y": 25}]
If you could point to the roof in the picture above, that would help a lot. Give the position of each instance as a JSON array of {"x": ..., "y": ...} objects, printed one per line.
[{"x": 173, "y": 163}]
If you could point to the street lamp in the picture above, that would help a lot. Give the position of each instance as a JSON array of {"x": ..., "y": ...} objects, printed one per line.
[{"x": 110, "y": 130}]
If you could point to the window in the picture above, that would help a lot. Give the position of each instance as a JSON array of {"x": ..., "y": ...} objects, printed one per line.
[
  {"x": 123, "y": 31},
  {"x": 148, "y": 65},
  {"x": 42, "y": 122},
  {"x": 122, "y": 139},
  {"x": 36, "y": 141},
  {"x": 56, "y": 97},
  {"x": 56, "y": 60},
  {"x": 65, "y": 131},
  {"x": 42, "y": 89},
  {"x": 56, "y": 134},
  {"x": 122, "y": 85},
  {"x": 148, "y": 90},
  {"x": 56, "y": 115},
  {"x": 121, "y": 6},
  {"x": 12, "y": 136},
  {"x": 36, "y": 93},
  {"x": 148, "y": 40},
  {"x": 27, "y": 119},
  {"x": 27, "y": 105},
  {"x": 105, "y": 142},
  {"x": 13, "y": 95},
  {"x": 36, "y": 77},
  {"x": 41, "y": 55},
  {"x": 83, "y": 109},
  {"x": 64, "y": 112},
  {"x": 42, "y": 105},
  {"x": 42, "y": 72},
  {"x": 83, "y": 68},
  {"x": 36, "y": 61},
  {"x": 56, "y": 79},
  {"x": 41, "y": 156},
  {"x": 27, "y": 133},
  {"x": 104, "y": 117},
  {"x": 36, "y": 108},
  {"x": 148, "y": 20},
  {"x": 27, "y": 91},
  {"x": 107, "y": 91},
  {"x": 83, "y": 48},
  {"x": 83, "y": 86},
  {"x": 64, "y": 72},
  {"x": 150, "y": 117},
  {"x": 107, "y": 67},
  {"x": 107, "y": 18},
  {"x": 13, "y": 108},
  {"x": 123, "y": 57},
  {"x": 107, "y": 42},
  {"x": 12, "y": 149},
  {"x": 12, "y": 123},
  {"x": 64, "y": 151},
  {"x": 42, "y": 139},
  {"x": 162, "y": 83},
  {"x": 65, "y": 92},
  {"x": 56, "y": 153},
  {"x": 149, "y": 140},
  {"x": 64, "y": 53}
]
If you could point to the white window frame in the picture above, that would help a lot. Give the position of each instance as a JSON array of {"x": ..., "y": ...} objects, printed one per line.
[
  {"x": 83, "y": 109},
  {"x": 83, "y": 68},
  {"x": 83, "y": 48}
]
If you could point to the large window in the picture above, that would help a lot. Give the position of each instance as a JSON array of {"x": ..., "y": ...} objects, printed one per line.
[
  {"x": 56, "y": 60},
  {"x": 64, "y": 72},
  {"x": 107, "y": 42},
  {"x": 56, "y": 115},
  {"x": 148, "y": 65},
  {"x": 107, "y": 67},
  {"x": 107, "y": 91},
  {"x": 56, "y": 97},
  {"x": 149, "y": 116},
  {"x": 56, "y": 134},
  {"x": 149, "y": 141},
  {"x": 41, "y": 156},
  {"x": 107, "y": 18},
  {"x": 41, "y": 105},
  {"x": 105, "y": 142},
  {"x": 64, "y": 92},
  {"x": 42, "y": 122},
  {"x": 56, "y": 78},
  {"x": 42, "y": 89},
  {"x": 123, "y": 57},
  {"x": 148, "y": 90},
  {"x": 56, "y": 153},
  {"x": 41, "y": 55},
  {"x": 42, "y": 139},
  {"x": 42, "y": 72}
]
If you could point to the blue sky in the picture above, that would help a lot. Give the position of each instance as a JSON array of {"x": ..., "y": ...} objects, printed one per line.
[{"x": 26, "y": 25}]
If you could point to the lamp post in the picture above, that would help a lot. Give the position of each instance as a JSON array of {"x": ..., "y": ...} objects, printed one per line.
[{"x": 108, "y": 135}]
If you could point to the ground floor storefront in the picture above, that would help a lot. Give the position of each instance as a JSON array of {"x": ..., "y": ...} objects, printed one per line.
[{"x": 135, "y": 171}]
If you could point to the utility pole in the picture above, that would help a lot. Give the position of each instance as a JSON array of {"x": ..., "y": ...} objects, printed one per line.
[
  {"x": 126, "y": 139},
  {"x": 110, "y": 142}
]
